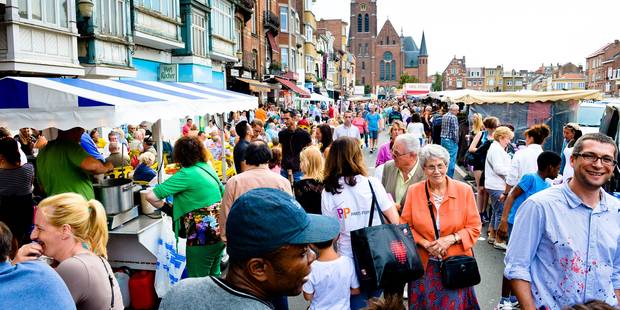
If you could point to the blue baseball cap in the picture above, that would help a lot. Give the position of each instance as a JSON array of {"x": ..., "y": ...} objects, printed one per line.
[{"x": 265, "y": 219}]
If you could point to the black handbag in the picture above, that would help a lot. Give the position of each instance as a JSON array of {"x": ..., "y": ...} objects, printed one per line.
[
  {"x": 385, "y": 254},
  {"x": 459, "y": 271}
]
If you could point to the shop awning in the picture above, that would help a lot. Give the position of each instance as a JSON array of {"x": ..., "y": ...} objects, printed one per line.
[
  {"x": 272, "y": 42},
  {"x": 257, "y": 86},
  {"x": 65, "y": 103},
  {"x": 290, "y": 85}
]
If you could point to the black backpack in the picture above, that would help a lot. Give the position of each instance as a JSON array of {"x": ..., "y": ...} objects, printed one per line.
[{"x": 480, "y": 155}]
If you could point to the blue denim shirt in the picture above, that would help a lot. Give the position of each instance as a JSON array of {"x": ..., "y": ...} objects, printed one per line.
[{"x": 567, "y": 251}]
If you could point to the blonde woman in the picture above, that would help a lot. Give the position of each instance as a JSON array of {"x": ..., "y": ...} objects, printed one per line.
[
  {"x": 308, "y": 190},
  {"x": 476, "y": 124},
  {"x": 74, "y": 233}
]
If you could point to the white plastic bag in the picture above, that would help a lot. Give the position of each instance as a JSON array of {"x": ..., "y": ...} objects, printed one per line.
[{"x": 171, "y": 259}]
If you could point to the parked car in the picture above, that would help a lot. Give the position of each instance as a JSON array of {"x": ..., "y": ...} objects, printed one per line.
[
  {"x": 609, "y": 126},
  {"x": 589, "y": 116}
]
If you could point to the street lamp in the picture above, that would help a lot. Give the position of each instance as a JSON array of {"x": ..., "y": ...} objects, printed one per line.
[{"x": 86, "y": 8}]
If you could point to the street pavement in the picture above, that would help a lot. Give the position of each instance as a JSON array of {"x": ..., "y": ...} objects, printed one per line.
[{"x": 490, "y": 261}]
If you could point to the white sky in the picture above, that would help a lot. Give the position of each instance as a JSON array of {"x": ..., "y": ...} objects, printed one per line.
[{"x": 517, "y": 34}]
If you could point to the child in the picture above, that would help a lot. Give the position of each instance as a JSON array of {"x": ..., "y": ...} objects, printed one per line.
[
  {"x": 332, "y": 280},
  {"x": 530, "y": 184}
]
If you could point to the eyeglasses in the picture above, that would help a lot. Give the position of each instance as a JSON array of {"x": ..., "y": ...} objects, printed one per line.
[
  {"x": 396, "y": 155},
  {"x": 433, "y": 168},
  {"x": 591, "y": 158}
]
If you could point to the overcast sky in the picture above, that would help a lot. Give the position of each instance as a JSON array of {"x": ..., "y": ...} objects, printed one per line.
[{"x": 494, "y": 32}]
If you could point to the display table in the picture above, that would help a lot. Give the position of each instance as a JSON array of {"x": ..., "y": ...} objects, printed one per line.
[{"x": 134, "y": 244}]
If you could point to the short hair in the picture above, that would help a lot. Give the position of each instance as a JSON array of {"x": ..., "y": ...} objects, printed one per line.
[
  {"x": 257, "y": 122},
  {"x": 455, "y": 106},
  {"x": 9, "y": 149},
  {"x": 258, "y": 153},
  {"x": 242, "y": 129},
  {"x": 415, "y": 118},
  {"x": 491, "y": 122},
  {"x": 502, "y": 132},
  {"x": 409, "y": 141},
  {"x": 188, "y": 119},
  {"x": 598, "y": 137},
  {"x": 114, "y": 147},
  {"x": 399, "y": 125},
  {"x": 147, "y": 158},
  {"x": 4, "y": 132},
  {"x": 538, "y": 132},
  {"x": 189, "y": 151},
  {"x": 292, "y": 112},
  {"x": 6, "y": 241},
  {"x": 548, "y": 159},
  {"x": 431, "y": 151}
]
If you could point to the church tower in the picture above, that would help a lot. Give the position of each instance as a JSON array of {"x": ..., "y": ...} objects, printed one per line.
[
  {"x": 362, "y": 37},
  {"x": 423, "y": 61}
]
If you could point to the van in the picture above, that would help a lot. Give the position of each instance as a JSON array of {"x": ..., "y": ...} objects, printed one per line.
[
  {"x": 609, "y": 126},
  {"x": 589, "y": 116}
]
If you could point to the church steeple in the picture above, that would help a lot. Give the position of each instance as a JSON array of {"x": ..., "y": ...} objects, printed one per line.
[{"x": 423, "y": 51}]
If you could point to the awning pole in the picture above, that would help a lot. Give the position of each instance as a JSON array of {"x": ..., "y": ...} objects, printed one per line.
[
  {"x": 160, "y": 151},
  {"x": 223, "y": 134}
]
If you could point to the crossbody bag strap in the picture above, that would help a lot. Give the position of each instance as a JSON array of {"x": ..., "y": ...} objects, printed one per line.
[
  {"x": 111, "y": 282},
  {"x": 217, "y": 180},
  {"x": 372, "y": 207},
  {"x": 430, "y": 209}
]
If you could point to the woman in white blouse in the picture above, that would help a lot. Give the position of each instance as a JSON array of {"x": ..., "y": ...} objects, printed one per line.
[
  {"x": 416, "y": 128},
  {"x": 524, "y": 160},
  {"x": 496, "y": 168}
]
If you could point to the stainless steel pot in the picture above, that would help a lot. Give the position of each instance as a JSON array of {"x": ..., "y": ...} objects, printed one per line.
[{"x": 116, "y": 195}]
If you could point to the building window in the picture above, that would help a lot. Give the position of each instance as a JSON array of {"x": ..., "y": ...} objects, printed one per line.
[
  {"x": 167, "y": 8},
  {"x": 222, "y": 19},
  {"x": 284, "y": 55},
  {"x": 393, "y": 71},
  {"x": 382, "y": 71},
  {"x": 254, "y": 59},
  {"x": 366, "y": 23},
  {"x": 253, "y": 21},
  {"x": 359, "y": 23},
  {"x": 238, "y": 35},
  {"x": 293, "y": 60},
  {"x": 297, "y": 24},
  {"x": 309, "y": 64},
  {"x": 110, "y": 17},
  {"x": 363, "y": 80},
  {"x": 309, "y": 33},
  {"x": 283, "y": 18},
  {"x": 199, "y": 35},
  {"x": 52, "y": 12},
  {"x": 363, "y": 65},
  {"x": 363, "y": 7}
]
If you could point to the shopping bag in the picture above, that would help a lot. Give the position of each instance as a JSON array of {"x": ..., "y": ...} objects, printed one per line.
[
  {"x": 385, "y": 254},
  {"x": 171, "y": 258}
]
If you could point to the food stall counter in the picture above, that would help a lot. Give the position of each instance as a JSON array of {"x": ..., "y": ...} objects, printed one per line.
[{"x": 134, "y": 244}]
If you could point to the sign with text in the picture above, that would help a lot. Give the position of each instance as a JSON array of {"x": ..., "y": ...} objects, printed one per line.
[
  {"x": 417, "y": 88},
  {"x": 359, "y": 90},
  {"x": 169, "y": 72}
]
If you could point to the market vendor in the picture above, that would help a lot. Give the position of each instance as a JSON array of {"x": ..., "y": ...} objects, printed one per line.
[
  {"x": 64, "y": 166},
  {"x": 197, "y": 194}
]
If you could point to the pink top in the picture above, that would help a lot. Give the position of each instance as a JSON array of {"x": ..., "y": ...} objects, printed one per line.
[
  {"x": 360, "y": 123},
  {"x": 384, "y": 155}
]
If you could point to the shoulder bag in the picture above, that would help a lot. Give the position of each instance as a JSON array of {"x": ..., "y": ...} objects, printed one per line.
[
  {"x": 385, "y": 254},
  {"x": 459, "y": 271}
]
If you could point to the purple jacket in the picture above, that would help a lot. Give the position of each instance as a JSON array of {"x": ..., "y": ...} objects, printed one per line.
[{"x": 384, "y": 154}]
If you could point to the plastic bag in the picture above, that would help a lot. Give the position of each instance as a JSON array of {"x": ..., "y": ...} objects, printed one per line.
[{"x": 171, "y": 258}]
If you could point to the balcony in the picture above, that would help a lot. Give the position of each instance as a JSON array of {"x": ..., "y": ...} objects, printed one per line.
[
  {"x": 272, "y": 21},
  {"x": 246, "y": 8}
]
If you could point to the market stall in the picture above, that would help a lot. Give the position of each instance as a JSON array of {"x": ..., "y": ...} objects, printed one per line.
[
  {"x": 66, "y": 103},
  {"x": 524, "y": 108}
]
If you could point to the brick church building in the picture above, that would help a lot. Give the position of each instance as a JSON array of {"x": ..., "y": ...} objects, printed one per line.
[{"x": 383, "y": 56}]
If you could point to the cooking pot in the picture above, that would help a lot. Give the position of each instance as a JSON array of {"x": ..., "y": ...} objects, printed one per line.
[{"x": 116, "y": 195}]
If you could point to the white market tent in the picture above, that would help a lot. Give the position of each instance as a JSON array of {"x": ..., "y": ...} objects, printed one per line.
[
  {"x": 65, "y": 103},
  {"x": 317, "y": 97},
  {"x": 467, "y": 96}
]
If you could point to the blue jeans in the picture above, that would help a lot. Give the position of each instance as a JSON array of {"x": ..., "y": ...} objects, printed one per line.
[
  {"x": 360, "y": 301},
  {"x": 453, "y": 149},
  {"x": 297, "y": 175},
  {"x": 497, "y": 208}
]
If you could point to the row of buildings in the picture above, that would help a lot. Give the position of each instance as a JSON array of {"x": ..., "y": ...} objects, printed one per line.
[
  {"x": 602, "y": 72},
  {"x": 275, "y": 49}
]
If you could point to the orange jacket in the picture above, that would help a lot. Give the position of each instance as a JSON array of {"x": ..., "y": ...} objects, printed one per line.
[{"x": 457, "y": 214}]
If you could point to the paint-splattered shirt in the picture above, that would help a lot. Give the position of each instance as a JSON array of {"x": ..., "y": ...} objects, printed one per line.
[{"x": 569, "y": 252}]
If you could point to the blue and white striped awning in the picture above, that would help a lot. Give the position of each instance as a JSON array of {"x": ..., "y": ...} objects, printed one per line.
[{"x": 66, "y": 103}]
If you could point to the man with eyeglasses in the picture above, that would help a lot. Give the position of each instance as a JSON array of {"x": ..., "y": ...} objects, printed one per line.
[{"x": 565, "y": 245}]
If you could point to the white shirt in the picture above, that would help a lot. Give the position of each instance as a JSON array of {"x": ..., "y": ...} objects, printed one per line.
[
  {"x": 331, "y": 283},
  {"x": 500, "y": 161},
  {"x": 343, "y": 131},
  {"x": 568, "y": 169},
  {"x": 417, "y": 129},
  {"x": 524, "y": 161},
  {"x": 352, "y": 208}
]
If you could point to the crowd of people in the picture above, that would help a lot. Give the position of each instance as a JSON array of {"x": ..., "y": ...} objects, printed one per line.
[{"x": 299, "y": 187}]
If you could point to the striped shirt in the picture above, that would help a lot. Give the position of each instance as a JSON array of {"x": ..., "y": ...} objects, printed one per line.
[
  {"x": 450, "y": 127},
  {"x": 16, "y": 182}
]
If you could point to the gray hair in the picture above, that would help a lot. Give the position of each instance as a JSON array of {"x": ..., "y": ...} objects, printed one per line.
[
  {"x": 598, "y": 137},
  {"x": 455, "y": 106},
  {"x": 147, "y": 158},
  {"x": 431, "y": 151},
  {"x": 409, "y": 141},
  {"x": 114, "y": 147}
]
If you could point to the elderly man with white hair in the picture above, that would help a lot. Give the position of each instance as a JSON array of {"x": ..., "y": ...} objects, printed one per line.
[
  {"x": 117, "y": 158},
  {"x": 450, "y": 136},
  {"x": 403, "y": 170}
]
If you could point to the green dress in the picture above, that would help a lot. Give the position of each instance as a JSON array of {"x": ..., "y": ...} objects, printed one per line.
[{"x": 197, "y": 193}]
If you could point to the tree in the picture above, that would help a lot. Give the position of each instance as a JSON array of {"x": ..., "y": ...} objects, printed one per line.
[
  {"x": 437, "y": 83},
  {"x": 406, "y": 78},
  {"x": 367, "y": 89}
]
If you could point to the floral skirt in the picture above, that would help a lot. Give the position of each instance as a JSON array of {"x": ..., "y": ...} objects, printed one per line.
[
  {"x": 201, "y": 226},
  {"x": 428, "y": 293}
]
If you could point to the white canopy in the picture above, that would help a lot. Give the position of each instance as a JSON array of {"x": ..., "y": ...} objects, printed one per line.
[
  {"x": 318, "y": 97},
  {"x": 479, "y": 97},
  {"x": 65, "y": 103}
]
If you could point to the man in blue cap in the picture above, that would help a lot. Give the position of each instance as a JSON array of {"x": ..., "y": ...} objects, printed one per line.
[{"x": 268, "y": 238}]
